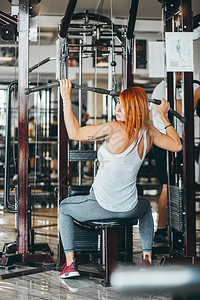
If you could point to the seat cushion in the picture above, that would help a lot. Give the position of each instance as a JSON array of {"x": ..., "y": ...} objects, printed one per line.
[{"x": 111, "y": 222}]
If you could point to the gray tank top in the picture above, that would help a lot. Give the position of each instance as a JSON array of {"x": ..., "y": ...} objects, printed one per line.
[{"x": 115, "y": 183}]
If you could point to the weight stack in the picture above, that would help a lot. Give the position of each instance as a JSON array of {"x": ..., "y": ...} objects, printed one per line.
[
  {"x": 176, "y": 213},
  {"x": 176, "y": 221}
]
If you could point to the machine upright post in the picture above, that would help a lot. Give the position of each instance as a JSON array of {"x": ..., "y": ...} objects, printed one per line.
[
  {"x": 80, "y": 110},
  {"x": 188, "y": 145},
  {"x": 62, "y": 139},
  {"x": 129, "y": 76},
  {"x": 22, "y": 243},
  {"x": 189, "y": 237},
  {"x": 110, "y": 99}
]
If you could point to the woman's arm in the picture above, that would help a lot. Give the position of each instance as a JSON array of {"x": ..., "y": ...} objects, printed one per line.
[
  {"x": 74, "y": 130},
  {"x": 171, "y": 140}
]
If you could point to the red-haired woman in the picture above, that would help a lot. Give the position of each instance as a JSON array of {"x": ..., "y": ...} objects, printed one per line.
[{"x": 113, "y": 193}]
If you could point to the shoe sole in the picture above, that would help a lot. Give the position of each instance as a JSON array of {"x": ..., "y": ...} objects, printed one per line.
[{"x": 71, "y": 274}]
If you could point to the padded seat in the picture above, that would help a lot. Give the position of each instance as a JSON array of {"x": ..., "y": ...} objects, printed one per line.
[
  {"x": 109, "y": 229},
  {"x": 111, "y": 223},
  {"x": 109, "y": 242}
]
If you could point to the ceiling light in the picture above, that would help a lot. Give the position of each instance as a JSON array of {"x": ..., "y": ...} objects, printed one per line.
[{"x": 6, "y": 58}]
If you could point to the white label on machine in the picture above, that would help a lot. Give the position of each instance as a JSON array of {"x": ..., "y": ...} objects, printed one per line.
[
  {"x": 156, "y": 59},
  {"x": 179, "y": 51}
]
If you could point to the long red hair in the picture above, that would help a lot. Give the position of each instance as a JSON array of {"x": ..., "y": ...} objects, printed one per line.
[{"x": 135, "y": 104}]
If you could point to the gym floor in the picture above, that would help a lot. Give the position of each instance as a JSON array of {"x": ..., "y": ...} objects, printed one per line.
[{"x": 46, "y": 284}]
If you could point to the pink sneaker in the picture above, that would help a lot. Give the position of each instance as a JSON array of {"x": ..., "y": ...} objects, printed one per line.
[
  {"x": 69, "y": 271},
  {"x": 146, "y": 264}
]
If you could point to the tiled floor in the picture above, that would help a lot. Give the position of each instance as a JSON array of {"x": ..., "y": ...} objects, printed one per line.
[{"x": 46, "y": 283}]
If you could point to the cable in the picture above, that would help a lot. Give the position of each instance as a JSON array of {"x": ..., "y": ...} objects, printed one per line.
[
  {"x": 99, "y": 8},
  {"x": 113, "y": 63},
  {"x": 95, "y": 104},
  {"x": 14, "y": 133},
  {"x": 36, "y": 127}
]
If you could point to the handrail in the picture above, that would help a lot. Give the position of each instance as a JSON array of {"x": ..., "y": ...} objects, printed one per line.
[
  {"x": 196, "y": 81},
  {"x": 7, "y": 151}
]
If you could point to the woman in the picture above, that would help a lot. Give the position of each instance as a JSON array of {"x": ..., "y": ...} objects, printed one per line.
[{"x": 113, "y": 193}]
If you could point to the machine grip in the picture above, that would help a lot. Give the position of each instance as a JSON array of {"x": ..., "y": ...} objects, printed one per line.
[
  {"x": 172, "y": 111},
  {"x": 177, "y": 115}
]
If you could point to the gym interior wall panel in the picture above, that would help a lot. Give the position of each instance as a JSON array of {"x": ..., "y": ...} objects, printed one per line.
[{"x": 196, "y": 51}]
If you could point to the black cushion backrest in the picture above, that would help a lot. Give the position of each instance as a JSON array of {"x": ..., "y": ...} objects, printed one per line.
[
  {"x": 198, "y": 108},
  {"x": 77, "y": 190}
]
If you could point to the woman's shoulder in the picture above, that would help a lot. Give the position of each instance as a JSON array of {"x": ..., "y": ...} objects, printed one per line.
[
  {"x": 116, "y": 125},
  {"x": 151, "y": 130}
]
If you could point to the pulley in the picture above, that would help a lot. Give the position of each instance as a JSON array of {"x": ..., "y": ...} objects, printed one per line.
[
  {"x": 34, "y": 7},
  {"x": 8, "y": 32}
]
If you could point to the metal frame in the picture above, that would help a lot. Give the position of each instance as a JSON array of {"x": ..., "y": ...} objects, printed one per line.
[
  {"x": 23, "y": 209},
  {"x": 63, "y": 166},
  {"x": 22, "y": 243},
  {"x": 23, "y": 234},
  {"x": 188, "y": 138},
  {"x": 67, "y": 18},
  {"x": 7, "y": 19},
  {"x": 129, "y": 42},
  {"x": 63, "y": 152},
  {"x": 7, "y": 151},
  {"x": 188, "y": 146}
]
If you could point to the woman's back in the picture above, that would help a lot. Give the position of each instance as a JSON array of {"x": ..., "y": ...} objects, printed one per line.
[
  {"x": 120, "y": 140},
  {"x": 115, "y": 183}
]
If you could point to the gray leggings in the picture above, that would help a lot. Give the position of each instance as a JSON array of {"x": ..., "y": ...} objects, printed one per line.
[{"x": 85, "y": 208}]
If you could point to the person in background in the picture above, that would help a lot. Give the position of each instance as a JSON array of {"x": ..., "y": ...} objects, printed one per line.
[
  {"x": 32, "y": 135},
  {"x": 197, "y": 147},
  {"x": 88, "y": 171},
  {"x": 53, "y": 132}
]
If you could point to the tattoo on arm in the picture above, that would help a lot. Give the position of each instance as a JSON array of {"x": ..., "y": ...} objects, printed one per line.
[{"x": 92, "y": 138}]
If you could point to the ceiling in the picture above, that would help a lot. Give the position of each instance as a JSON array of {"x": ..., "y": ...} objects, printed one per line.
[
  {"x": 53, "y": 10},
  {"x": 147, "y": 9},
  {"x": 50, "y": 9}
]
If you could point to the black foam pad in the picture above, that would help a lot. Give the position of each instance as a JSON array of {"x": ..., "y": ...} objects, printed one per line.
[{"x": 198, "y": 108}]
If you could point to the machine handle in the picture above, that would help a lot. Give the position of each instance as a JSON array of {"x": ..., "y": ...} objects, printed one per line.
[{"x": 172, "y": 111}]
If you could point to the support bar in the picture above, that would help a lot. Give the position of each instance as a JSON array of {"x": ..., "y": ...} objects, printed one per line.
[
  {"x": 7, "y": 150},
  {"x": 196, "y": 81},
  {"x": 7, "y": 19},
  {"x": 67, "y": 18},
  {"x": 28, "y": 91},
  {"x": 132, "y": 19},
  {"x": 42, "y": 62},
  {"x": 196, "y": 20}
]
